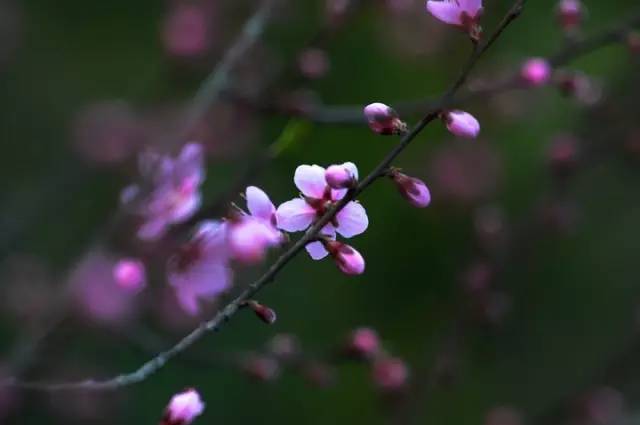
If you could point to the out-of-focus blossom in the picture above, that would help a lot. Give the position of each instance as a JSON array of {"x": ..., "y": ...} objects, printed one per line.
[
  {"x": 579, "y": 86},
  {"x": 464, "y": 174},
  {"x": 317, "y": 196},
  {"x": 107, "y": 133},
  {"x": 319, "y": 374},
  {"x": 383, "y": 119},
  {"x": 503, "y": 415},
  {"x": 570, "y": 14},
  {"x": 284, "y": 346},
  {"x": 400, "y": 6},
  {"x": 187, "y": 30},
  {"x": 476, "y": 279},
  {"x": 604, "y": 405},
  {"x": 536, "y": 72},
  {"x": 562, "y": 154},
  {"x": 415, "y": 191},
  {"x": 633, "y": 42},
  {"x": 342, "y": 176},
  {"x": 462, "y": 124},
  {"x": 200, "y": 269},
  {"x": 96, "y": 292},
  {"x": 261, "y": 368},
  {"x": 363, "y": 343},
  {"x": 490, "y": 226},
  {"x": 183, "y": 408},
  {"x": 390, "y": 374},
  {"x": 336, "y": 10},
  {"x": 348, "y": 260},
  {"x": 250, "y": 235},
  {"x": 169, "y": 192},
  {"x": 464, "y": 14},
  {"x": 130, "y": 274},
  {"x": 313, "y": 63}
]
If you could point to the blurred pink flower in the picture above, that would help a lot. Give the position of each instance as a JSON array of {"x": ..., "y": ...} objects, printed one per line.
[
  {"x": 183, "y": 408},
  {"x": 570, "y": 14},
  {"x": 250, "y": 235},
  {"x": 390, "y": 374},
  {"x": 313, "y": 63},
  {"x": 96, "y": 292},
  {"x": 107, "y": 132},
  {"x": 536, "y": 72},
  {"x": 461, "y": 13},
  {"x": 298, "y": 214},
  {"x": 200, "y": 269},
  {"x": 130, "y": 274},
  {"x": 363, "y": 343},
  {"x": 169, "y": 192},
  {"x": 187, "y": 31}
]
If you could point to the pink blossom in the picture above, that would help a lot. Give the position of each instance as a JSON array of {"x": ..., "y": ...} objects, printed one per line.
[
  {"x": 390, "y": 374},
  {"x": 342, "y": 176},
  {"x": 200, "y": 269},
  {"x": 536, "y": 72},
  {"x": 570, "y": 13},
  {"x": 95, "y": 290},
  {"x": 250, "y": 235},
  {"x": 462, "y": 124},
  {"x": 183, "y": 408},
  {"x": 348, "y": 260},
  {"x": 413, "y": 190},
  {"x": 299, "y": 213},
  {"x": 382, "y": 119},
  {"x": 363, "y": 343},
  {"x": 186, "y": 31},
  {"x": 130, "y": 274},
  {"x": 169, "y": 191},
  {"x": 461, "y": 13}
]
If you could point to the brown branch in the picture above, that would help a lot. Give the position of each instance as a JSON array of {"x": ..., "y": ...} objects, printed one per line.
[{"x": 214, "y": 324}]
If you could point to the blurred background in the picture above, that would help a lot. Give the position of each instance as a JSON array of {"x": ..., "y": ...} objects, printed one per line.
[{"x": 512, "y": 299}]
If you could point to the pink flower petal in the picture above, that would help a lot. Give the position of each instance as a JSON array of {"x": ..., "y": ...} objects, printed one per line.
[
  {"x": 153, "y": 229},
  {"x": 309, "y": 179},
  {"x": 352, "y": 220},
  {"x": 186, "y": 208},
  {"x": 446, "y": 11},
  {"x": 316, "y": 250},
  {"x": 472, "y": 7},
  {"x": 259, "y": 204},
  {"x": 295, "y": 215}
]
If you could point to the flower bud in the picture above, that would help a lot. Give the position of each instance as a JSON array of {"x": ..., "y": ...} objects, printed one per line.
[
  {"x": 390, "y": 374},
  {"x": 536, "y": 72},
  {"x": 384, "y": 120},
  {"x": 341, "y": 176},
  {"x": 261, "y": 368},
  {"x": 363, "y": 343},
  {"x": 348, "y": 260},
  {"x": 263, "y": 312},
  {"x": 183, "y": 408},
  {"x": 570, "y": 14},
  {"x": 413, "y": 190},
  {"x": 130, "y": 274},
  {"x": 462, "y": 124}
]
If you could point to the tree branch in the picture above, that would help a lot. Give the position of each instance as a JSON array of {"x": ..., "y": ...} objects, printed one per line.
[{"x": 156, "y": 363}]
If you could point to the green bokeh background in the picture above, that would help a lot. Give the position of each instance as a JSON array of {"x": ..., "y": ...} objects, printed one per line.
[{"x": 574, "y": 297}]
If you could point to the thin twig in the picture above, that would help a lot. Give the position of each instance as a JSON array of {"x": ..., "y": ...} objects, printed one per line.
[{"x": 156, "y": 363}]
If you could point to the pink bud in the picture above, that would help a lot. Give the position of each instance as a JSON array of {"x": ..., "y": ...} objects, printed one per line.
[
  {"x": 130, "y": 274},
  {"x": 341, "y": 176},
  {"x": 462, "y": 124},
  {"x": 536, "y": 72},
  {"x": 263, "y": 312},
  {"x": 390, "y": 374},
  {"x": 570, "y": 13},
  {"x": 261, "y": 368},
  {"x": 363, "y": 343},
  {"x": 413, "y": 190},
  {"x": 348, "y": 260},
  {"x": 183, "y": 408},
  {"x": 383, "y": 119}
]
